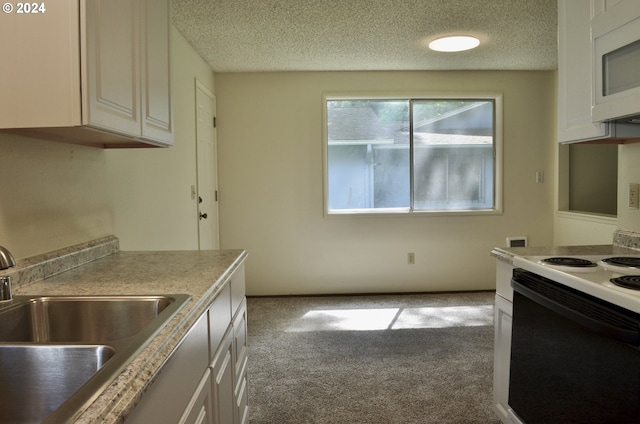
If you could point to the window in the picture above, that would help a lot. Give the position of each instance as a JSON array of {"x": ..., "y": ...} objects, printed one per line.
[{"x": 411, "y": 155}]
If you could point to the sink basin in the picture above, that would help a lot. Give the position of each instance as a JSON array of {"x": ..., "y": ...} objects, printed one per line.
[
  {"x": 84, "y": 319},
  {"x": 36, "y": 380},
  {"x": 57, "y": 353}
]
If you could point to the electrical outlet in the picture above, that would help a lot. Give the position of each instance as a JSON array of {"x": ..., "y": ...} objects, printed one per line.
[
  {"x": 539, "y": 177},
  {"x": 634, "y": 190},
  {"x": 411, "y": 258}
]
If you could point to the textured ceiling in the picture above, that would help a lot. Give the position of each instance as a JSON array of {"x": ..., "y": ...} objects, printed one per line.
[{"x": 346, "y": 35}]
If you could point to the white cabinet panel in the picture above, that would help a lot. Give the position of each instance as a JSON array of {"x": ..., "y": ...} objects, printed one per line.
[
  {"x": 503, "y": 313},
  {"x": 95, "y": 72},
  {"x": 222, "y": 381},
  {"x": 199, "y": 409},
  {"x": 157, "y": 114},
  {"x": 113, "y": 60},
  {"x": 240, "y": 352},
  {"x": 575, "y": 74},
  {"x": 170, "y": 394},
  {"x": 219, "y": 318},
  {"x": 40, "y": 67}
]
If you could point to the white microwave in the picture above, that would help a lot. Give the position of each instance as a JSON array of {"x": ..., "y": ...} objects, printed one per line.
[{"x": 615, "y": 40}]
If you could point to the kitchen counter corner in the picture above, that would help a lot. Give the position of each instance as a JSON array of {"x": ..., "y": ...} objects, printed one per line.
[{"x": 200, "y": 274}]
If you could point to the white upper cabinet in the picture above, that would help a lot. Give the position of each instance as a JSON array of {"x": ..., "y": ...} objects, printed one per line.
[
  {"x": 157, "y": 113},
  {"x": 576, "y": 76},
  {"x": 94, "y": 72},
  {"x": 575, "y": 73}
]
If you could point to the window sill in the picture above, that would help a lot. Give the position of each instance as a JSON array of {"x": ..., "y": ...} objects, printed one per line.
[
  {"x": 588, "y": 216},
  {"x": 395, "y": 213}
]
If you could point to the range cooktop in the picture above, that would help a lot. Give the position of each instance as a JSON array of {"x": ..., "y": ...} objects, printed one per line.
[{"x": 614, "y": 278}]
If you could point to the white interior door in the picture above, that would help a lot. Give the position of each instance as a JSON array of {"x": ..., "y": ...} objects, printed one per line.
[{"x": 207, "y": 165}]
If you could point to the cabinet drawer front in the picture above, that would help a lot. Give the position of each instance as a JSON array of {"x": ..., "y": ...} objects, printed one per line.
[
  {"x": 237, "y": 288},
  {"x": 219, "y": 318}
]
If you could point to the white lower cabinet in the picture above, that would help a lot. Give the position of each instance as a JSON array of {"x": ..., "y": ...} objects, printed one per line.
[
  {"x": 172, "y": 393},
  {"x": 222, "y": 381},
  {"x": 199, "y": 409},
  {"x": 503, "y": 313},
  {"x": 205, "y": 380},
  {"x": 240, "y": 362}
]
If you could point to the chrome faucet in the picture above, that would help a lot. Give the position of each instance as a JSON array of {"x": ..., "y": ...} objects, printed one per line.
[{"x": 6, "y": 261}]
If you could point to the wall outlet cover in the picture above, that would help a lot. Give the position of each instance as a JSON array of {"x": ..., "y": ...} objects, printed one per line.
[{"x": 634, "y": 189}]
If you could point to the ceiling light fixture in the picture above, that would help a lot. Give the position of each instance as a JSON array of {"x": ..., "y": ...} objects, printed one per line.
[{"x": 456, "y": 43}]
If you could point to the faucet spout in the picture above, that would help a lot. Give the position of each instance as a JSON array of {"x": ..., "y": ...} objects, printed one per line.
[
  {"x": 6, "y": 261},
  {"x": 6, "y": 258}
]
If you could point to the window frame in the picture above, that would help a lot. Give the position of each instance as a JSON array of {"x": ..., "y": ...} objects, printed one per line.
[{"x": 496, "y": 97}]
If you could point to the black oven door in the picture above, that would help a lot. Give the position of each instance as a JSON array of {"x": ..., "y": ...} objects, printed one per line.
[{"x": 574, "y": 358}]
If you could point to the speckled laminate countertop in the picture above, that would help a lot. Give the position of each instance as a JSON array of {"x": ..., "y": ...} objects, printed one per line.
[{"x": 199, "y": 274}]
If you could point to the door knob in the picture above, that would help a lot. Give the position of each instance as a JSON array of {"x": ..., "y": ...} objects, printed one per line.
[{"x": 203, "y": 216}]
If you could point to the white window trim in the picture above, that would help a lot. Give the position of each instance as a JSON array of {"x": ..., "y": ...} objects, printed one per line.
[{"x": 405, "y": 212}]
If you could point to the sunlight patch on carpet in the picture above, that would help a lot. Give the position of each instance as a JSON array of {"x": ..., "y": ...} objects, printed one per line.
[{"x": 377, "y": 319}]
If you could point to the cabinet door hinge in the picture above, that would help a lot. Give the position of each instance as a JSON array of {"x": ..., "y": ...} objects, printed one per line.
[
  {"x": 214, "y": 122},
  {"x": 216, "y": 195}
]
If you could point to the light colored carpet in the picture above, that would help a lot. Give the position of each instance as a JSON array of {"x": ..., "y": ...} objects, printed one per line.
[{"x": 379, "y": 359}]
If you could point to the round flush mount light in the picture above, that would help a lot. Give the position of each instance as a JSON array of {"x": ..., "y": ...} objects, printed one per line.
[{"x": 455, "y": 43}]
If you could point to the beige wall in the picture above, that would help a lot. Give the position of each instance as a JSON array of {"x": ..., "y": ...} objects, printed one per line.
[
  {"x": 270, "y": 147},
  {"x": 52, "y": 195},
  {"x": 151, "y": 188},
  {"x": 575, "y": 228},
  {"x": 628, "y": 172}
]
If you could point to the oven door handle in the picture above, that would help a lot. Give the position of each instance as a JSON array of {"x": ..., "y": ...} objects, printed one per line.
[{"x": 590, "y": 314}]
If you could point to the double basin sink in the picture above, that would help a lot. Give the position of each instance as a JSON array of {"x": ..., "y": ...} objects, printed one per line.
[{"x": 57, "y": 353}]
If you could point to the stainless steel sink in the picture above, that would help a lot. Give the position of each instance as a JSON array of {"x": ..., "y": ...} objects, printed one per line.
[
  {"x": 86, "y": 319},
  {"x": 57, "y": 353},
  {"x": 36, "y": 380}
]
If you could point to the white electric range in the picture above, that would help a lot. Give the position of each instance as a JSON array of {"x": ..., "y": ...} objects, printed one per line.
[
  {"x": 597, "y": 275},
  {"x": 560, "y": 337}
]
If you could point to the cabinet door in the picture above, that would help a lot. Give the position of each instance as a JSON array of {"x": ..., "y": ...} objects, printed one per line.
[
  {"x": 503, "y": 313},
  {"x": 155, "y": 31},
  {"x": 222, "y": 381},
  {"x": 575, "y": 73},
  {"x": 40, "y": 67},
  {"x": 199, "y": 409},
  {"x": 111, "y": 73},
  {"x": 240, "y": 358},
  {"x": 172, "y": 392}
]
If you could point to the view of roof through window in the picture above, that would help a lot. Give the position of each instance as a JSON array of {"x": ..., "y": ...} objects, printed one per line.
[{"x": 410, "y": 155}]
